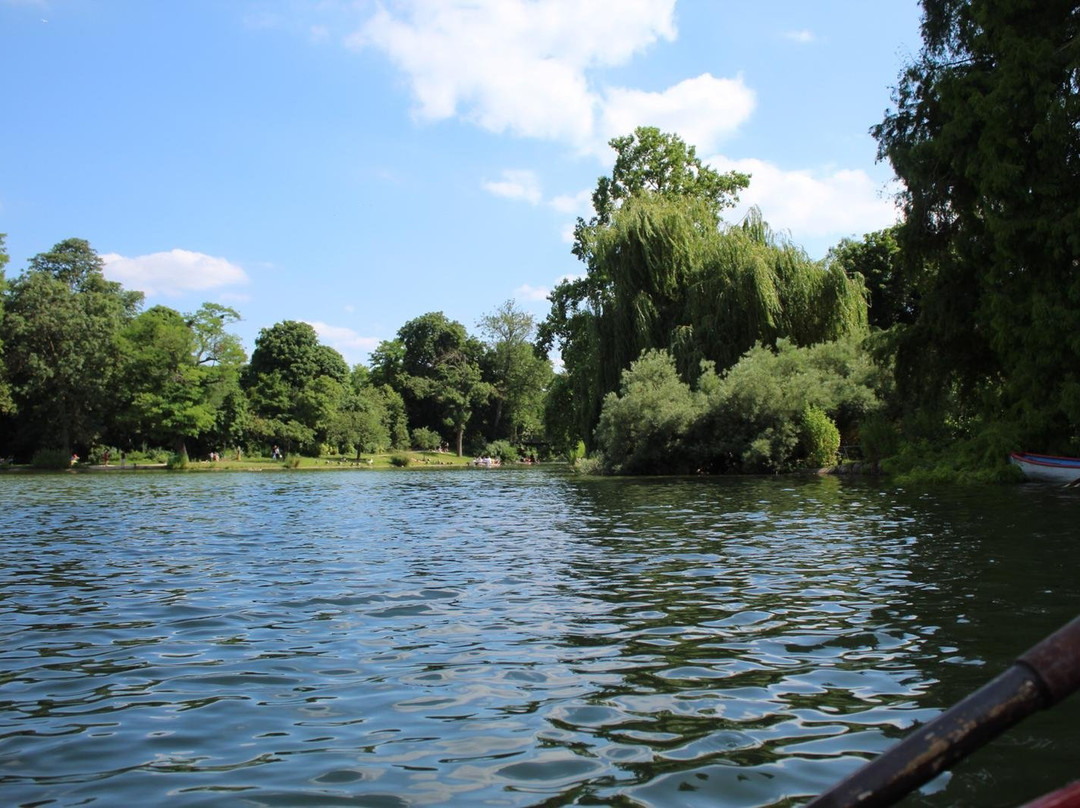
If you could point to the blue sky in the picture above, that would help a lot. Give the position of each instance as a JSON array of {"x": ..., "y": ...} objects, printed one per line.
[{"x": 357, "y": 164}]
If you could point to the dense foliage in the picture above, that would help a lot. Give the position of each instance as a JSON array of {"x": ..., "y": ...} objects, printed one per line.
[
  {"x": 878, "y": 259},
  {"x": 774, "y": 410},
  {"x": 662, "y": 272},
  {"x": 986, "y": 139},
  {"x": 520, "y": 378},
  {"x": 60, "y": 332},
  {"x": 84, "y": 370}
]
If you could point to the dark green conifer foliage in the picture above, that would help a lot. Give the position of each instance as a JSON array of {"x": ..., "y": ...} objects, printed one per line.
[{"x": 985, "y": 136}]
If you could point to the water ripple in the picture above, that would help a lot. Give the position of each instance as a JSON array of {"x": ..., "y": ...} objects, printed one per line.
[{"x": 512, "y": 638}]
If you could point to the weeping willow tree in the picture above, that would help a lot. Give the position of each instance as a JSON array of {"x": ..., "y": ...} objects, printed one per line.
[
  {"x": 711, "y": 294},
  {"x": 662, "y": 273}
]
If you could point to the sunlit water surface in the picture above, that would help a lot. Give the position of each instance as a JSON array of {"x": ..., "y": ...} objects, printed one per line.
[{"x": 511, "y": 637}]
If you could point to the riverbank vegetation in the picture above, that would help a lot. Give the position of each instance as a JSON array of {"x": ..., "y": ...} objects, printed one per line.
[
  {"x": 162, "y": 460},
  {"x": 87, "y": 371},
  {"x": 690, "y": 344}
]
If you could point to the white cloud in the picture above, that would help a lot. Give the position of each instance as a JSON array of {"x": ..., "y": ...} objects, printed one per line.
[
  {"x": 833, "y": 203},
  {"x": 520, "y": 184},
  {"x": 531, "y": 294},
  {"x": 701, "y": 110},
  {"x": 344, "y": 340},
  {"x": 578, "y": 204},
  {"x": 530, "y": 69},
  {"x": 173, "y": 273},
  {"x": 536, "y": 69}
]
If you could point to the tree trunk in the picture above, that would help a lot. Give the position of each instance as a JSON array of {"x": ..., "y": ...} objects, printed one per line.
[{"x": 460, "y": 436}]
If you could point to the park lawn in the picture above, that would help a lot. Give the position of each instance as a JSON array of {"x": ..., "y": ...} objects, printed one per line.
[
  {"x": 416, "y": 460},
  {"x": 367, "y": 461}
]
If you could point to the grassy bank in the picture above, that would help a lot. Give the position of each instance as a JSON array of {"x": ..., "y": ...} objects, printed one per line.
[{"x": 417, "y": 460}]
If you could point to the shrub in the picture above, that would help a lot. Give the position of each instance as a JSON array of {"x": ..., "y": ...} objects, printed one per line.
[
  {"x": 177, "y": 462},
  {"x": 590, "y": 466},
  {"x": 820, "y": 437},
  {"x": 980, "y": 458},
  {"x": 777, "y": 410},
  {"x": 773, "y": 411},
  {"x": 292, "y": 461},
  {"x": 576, "y": 453},
  {"x": 502, "y": 449},
  {"x": 878, "y": 438},
  {"x": 426, "y": 439},
  {"x": 772, "y": 450},
  {"x": 96, "y": 455},
  {"x": 50, "y": 459},
  {"x": 149, "y": 456},
  {"x": 400, "y": 460},
  {"x": 642, "y": 429}
]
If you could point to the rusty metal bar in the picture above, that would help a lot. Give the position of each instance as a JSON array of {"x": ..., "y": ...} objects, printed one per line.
[{"x": 1040, "y": 678}]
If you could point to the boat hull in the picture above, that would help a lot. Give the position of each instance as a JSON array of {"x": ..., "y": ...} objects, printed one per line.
[{"x": 1047, "y": 468}]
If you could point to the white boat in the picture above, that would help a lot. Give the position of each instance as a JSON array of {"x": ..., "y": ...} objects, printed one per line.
[{"x": 1047, "y": 468}]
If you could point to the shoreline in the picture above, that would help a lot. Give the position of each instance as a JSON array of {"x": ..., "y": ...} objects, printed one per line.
[{"x": 313, "y": 464}]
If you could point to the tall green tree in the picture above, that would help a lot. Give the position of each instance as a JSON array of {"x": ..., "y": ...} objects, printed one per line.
[
  {"x": 519, "y": 377},
  {"x": 879, "y": 260},
  {"x": 985, "y": 136},
  {"x": 651, "y": 162},
  {"x": 435, "y": 365},
  {"x": 166, "y": 390},
  {"x": 458, "y": 387},
  {"x": 214, "y": 344},
  {"x": 292, "y": 350},
  {"x": 295, "y": 385},
  {"x": 60, "y": 330},
  {"x": 370, "y": 419},
  {"x": 221, "y": 356}
]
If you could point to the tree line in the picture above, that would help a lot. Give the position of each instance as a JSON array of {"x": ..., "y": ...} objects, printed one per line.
[
  {"x": 689, "y": 343},
  {"x": 84, "y": 368}
]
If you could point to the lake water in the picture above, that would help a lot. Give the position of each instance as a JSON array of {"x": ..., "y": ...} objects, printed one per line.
[{"x": 512, "y": 637}]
